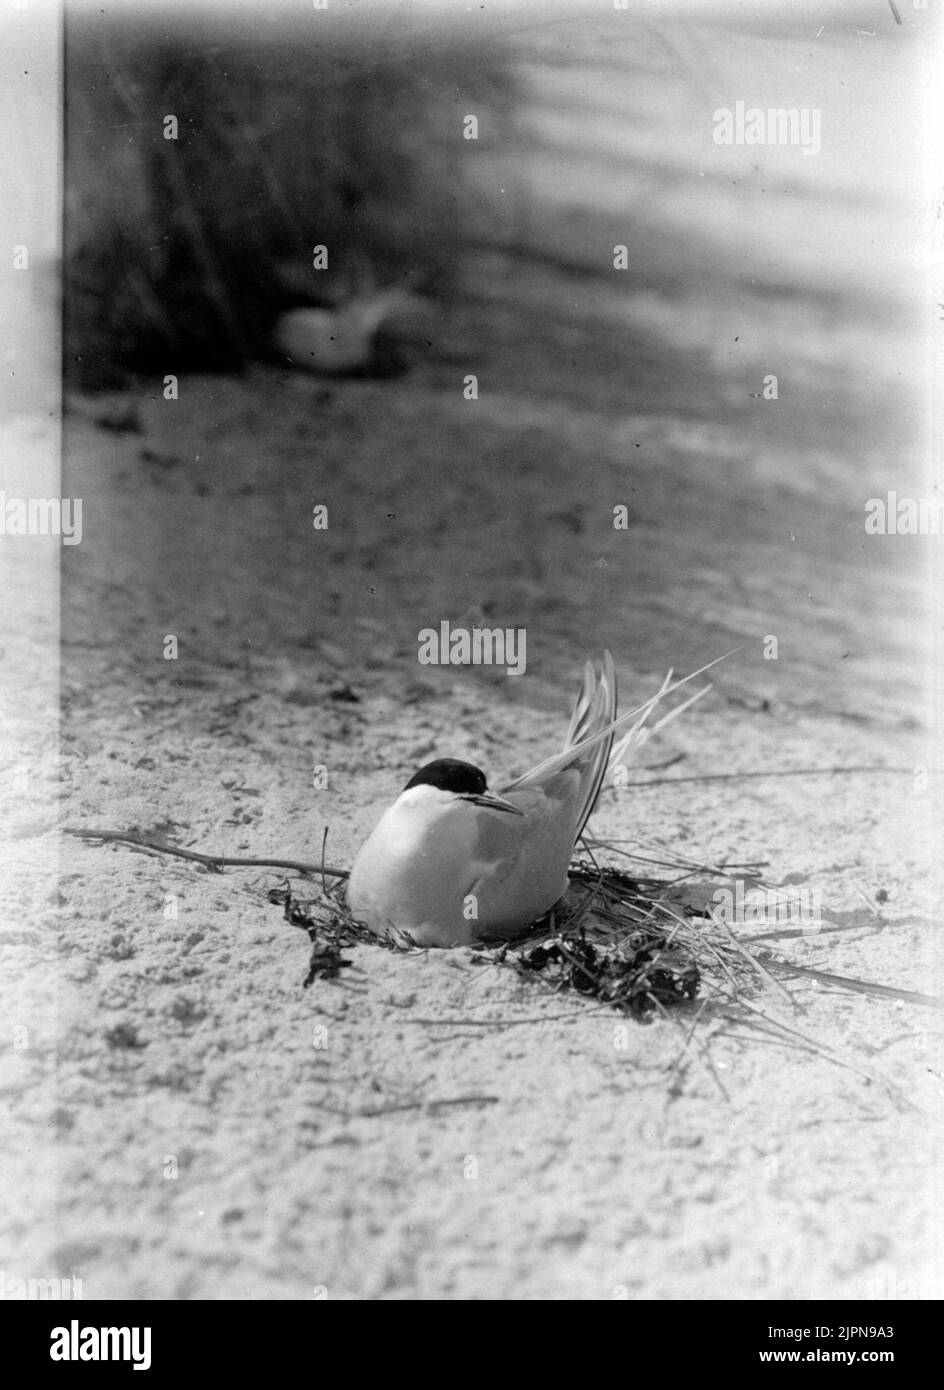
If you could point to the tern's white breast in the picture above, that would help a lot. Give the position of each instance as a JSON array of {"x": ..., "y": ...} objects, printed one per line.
[{"x": 449, "y": 872}]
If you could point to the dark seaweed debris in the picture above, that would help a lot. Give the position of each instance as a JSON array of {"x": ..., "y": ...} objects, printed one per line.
[
  {"x": 327, "y": 938},
  {"x": 636, "y": 976}
]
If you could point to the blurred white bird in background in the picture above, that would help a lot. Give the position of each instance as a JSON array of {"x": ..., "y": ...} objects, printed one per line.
[{"x": 342, "y": 338}]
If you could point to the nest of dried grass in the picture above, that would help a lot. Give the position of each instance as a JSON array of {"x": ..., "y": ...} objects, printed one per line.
[{"x": 639, "y": 945}]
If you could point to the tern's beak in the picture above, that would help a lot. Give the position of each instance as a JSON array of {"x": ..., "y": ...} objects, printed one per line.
[{"x": 496, "y": 803}]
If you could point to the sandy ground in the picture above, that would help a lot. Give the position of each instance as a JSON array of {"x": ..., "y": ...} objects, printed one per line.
[{"x": 185, "y": 1120}]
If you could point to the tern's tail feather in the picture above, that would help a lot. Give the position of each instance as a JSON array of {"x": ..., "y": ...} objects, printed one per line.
[
  {"x": 604, "y": 732},
  {"x": 594, "y": 710},
  {"x": 591, "y": 736}
]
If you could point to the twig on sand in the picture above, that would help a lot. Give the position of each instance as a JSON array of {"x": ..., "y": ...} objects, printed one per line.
[
  {"x": 214, "y": 862},
  {"x": 785, "y": 772},
  {"x": 907, "y": 996},
  {"x": 504, "y": 1022},
  {"x": 372, "y": 1112}
]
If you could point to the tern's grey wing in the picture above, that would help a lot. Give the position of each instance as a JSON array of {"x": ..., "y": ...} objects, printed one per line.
[{"x": 519, "y": 864}]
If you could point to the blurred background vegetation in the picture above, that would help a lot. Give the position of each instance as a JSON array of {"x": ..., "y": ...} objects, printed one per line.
[
  {"x": 182, "y": 252},
  {"x": 642, "y": 386}
]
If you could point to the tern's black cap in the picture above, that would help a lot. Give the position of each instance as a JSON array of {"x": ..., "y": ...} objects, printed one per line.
[{"x": 450, "y": 775}]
